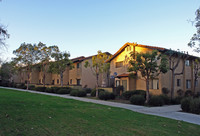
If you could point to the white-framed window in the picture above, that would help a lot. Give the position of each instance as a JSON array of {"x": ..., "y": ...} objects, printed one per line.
[
  {"x": 155, "y": 84},
  {"x": 188, "y": 84},
  {"x": 119, "y": 64},
  {"x": 117, "y": 83},
  {"x": 187, "y": 63}
]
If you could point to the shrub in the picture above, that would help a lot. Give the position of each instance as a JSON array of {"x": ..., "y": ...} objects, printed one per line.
[
  {"x": 180, "y": 92},
  {"x": 118, "y": 89},
  {"x": 166, "y": 99},
  {"x": 49, "y": 90},
  {"x": 64, "y": 91},
  {"x": 156, "y": 101},
  {"x": 195, "y": 106},
  {"x": 127, "y": 94},
  {"x": 40, "y": 89},
  {"x": 74, "y": 92},
  {"x": 188, "y": 93},
  {"x": 165, "y": 91},
  {"x": 21, "y": 86},
  {"x": 176, "y": 100},
  {"x": 104, "y": 95},
  {"x": 88, "y": 90},
  {"x": 93, "y": 93},
  {"x": 137, "y": 99},
  {"x": 185, "y": 104},
  {"x": 55, "y": 89},
  {"x": 31, "y": 87},
  {"x": 81, "y": 93}
]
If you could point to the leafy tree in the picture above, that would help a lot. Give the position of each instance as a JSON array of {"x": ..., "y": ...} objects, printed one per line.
[
  {"x": 175, "y": 57},
  {"x": 195, "y": 40},
  {"x": 61, "y": 62},
  {"x": 196, "y": 72},
  {"x": 27, "y": 55},
  {"x": 98, "y": 66},
  {"x": 7, "y": 70},
  {"x": 44, "y": 54},
  {"x": 147, "y": 65},
  {"x": 3, "y": 35}
]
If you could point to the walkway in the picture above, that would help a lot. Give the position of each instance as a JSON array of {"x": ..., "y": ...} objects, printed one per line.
[{"x": 172, "y": 112}]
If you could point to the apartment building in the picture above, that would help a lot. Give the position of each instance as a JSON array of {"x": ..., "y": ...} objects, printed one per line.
[{"x": 119, "y": 64}]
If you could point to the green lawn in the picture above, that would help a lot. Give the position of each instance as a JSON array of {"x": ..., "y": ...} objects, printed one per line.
[{"x": 24, "y": 114}]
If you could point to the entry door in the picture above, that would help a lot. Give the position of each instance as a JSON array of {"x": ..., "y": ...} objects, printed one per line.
[{"x": 124, "y": 84}]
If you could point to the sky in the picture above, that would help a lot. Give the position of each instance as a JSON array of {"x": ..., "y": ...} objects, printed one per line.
[{"x": 82, "y": 27}]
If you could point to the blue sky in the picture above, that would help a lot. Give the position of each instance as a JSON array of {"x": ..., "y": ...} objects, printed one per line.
[{"x": 83, "y": 27}]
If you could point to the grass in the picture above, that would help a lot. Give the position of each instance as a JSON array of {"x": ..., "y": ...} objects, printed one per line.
[{"x": 27, "y": 114}]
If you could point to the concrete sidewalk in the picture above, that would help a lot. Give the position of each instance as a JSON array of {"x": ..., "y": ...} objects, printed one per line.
[{"x": 172, "y": 112}]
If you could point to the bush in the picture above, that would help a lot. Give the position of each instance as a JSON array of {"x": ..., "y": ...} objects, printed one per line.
[
  {"x": 188, "y": 93},
  {"x": 31, "y": 87},
  {"x": 49, "y": 90},
  {"x": 180, "y": 92},
  {"x": 118, "y": 89},
  {"x": 81, "y": 93},
  {"x": 88, "y": 90},
  {"x": 165, "y": 91},
  {"x": 127, "y": 94},
  {"x": 195, "y": 106},
  {"x": 93, "y": 93},
  {"x": 156, "y": 101},
  {"x": 64, "y": 91},
  {"x": 74, "y": 92},
  {"x": 55, "y": 89},
  {"x": 185, "y": 104},
  {"x": 176, "y": 100},
  {"x": 137, "y": 99},
  {"x": 166, "y": 99},
  {"x": 104, "y": 95},
  {"x": 40, "y": 89},
  {"x": 21, "y": 86}
]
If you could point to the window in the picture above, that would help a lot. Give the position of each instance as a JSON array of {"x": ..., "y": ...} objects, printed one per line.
[
  {"x": 196, "y": 83},
  {"x": 188, "y": 84},
  {"x": 52, "y": 82},
  {"x": 178, "y": 82},
  {"x": 57, "y": 81},
  {"x": 78, "y": 66},
  {"x": 155, "y": 84},
  {"x": 187, "y": 63},
  {"x": 119, "y": 64},
  {"x": 70, "y": 81},
  {"x": 117, "y": 83},
  {"x": 78, "y": 81}
]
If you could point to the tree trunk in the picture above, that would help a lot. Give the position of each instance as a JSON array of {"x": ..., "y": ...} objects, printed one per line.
[
  {"x": 172, "y": 85},
  {"x": 44, "y": 76},
  {"x": 61, "y": 79},
  {"x": 97, "y": 85},
  {"x": 147, "y": 90},
  {"x": 27, "y": 85}
]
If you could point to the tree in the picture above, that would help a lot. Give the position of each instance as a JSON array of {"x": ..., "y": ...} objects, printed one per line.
[
  {"x": 27, "y": 55},
  {"x": 196, "y": 72},
  {"x": 147, "y": 65},
  {"x": 3, "y": 35},
  {"x": 175, "y": 57},
  {"x": 195, "y": 40},
  {"x": 6, "y": 71},
  {"x": 45, "y": 54},
  {"x": 61, "y": 62},
  {"x": 98, "y": 66}
]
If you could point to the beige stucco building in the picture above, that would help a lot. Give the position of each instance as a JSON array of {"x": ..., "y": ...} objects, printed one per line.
[{"x": 119, "y": 64}]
